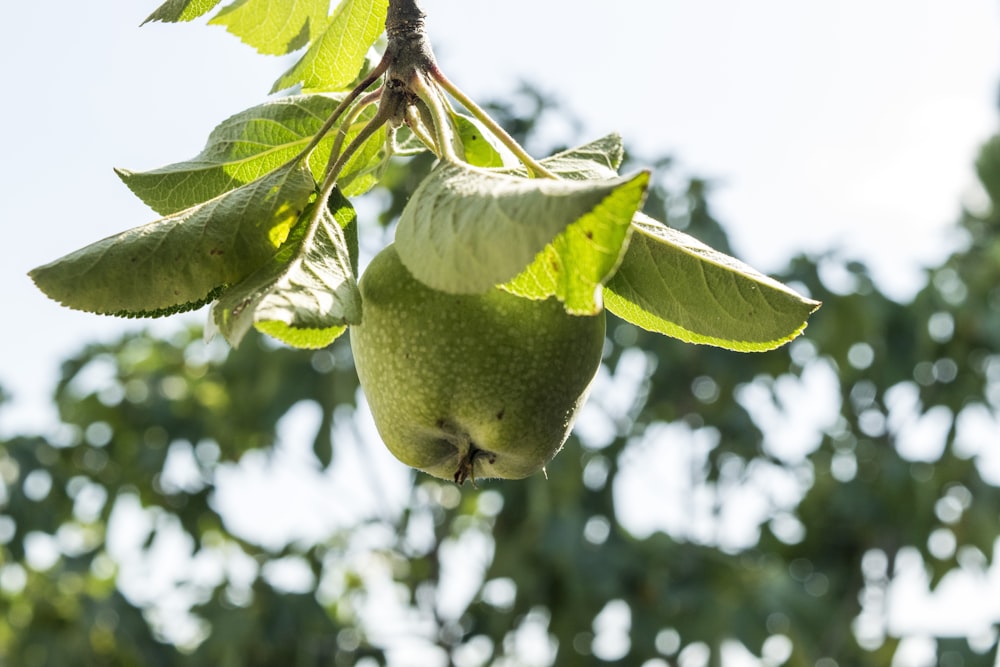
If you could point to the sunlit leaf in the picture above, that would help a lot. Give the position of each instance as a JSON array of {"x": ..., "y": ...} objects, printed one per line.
[
  {"x": 582, "y": 258},
  {"x": 671, "y": 283},
  {"x": 481, "y": 148},
  {"x": 336, "y": 56},
  {"x": 466, "y": 230},
  {"x": 271, "y": 27},
  {"x": 239, "y": 150},
  {"x": 306, "y": 295},
  {"x": 585, "y": 255},
  {"x": 597, "y": 159},
  {"x": 180, "y": 261},
  {"x": 364, "y": 168},
  {"x": 174, "y": 11}
]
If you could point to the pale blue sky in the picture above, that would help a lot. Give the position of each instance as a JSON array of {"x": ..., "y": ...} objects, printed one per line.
[{"x": 851, "y": 123}]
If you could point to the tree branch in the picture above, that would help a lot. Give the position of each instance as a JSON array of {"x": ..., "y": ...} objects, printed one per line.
[
  {"x": 407, "y": 48},
  {"x": 404, "y": 16}
]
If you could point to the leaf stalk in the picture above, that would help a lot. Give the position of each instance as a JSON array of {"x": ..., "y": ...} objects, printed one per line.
[
  {"x": 534, "y": 167},
  {"x": 352, "y": 115},
  {"x": 431, "y": 96},
  {"x": 372, "y": 77}
]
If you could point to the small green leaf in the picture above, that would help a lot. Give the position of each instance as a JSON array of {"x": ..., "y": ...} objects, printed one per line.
[
  {"x": 671, "y": 283},
  {"x": 466, "y": 229},
  {"x": 583, "y": 257},
  {"x": 306, "y": 295},
  {"x": 593, "y": 161},
  {"x": 239, "y": 150},
  {"x": 598, "y": 159},
  {"x": 179, "y": 261},
  {"x": 478, "y": 144},
  {"x": 174, "y": 11},
  {"x": 274, "y": 28},
  {"x": 335, "y": 58}
]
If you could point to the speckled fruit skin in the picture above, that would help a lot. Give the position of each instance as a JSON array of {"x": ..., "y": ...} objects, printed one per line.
[{"x": 467, "y": 386}]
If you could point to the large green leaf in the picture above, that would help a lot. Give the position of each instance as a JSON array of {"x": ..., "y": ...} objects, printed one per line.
[
  {"x": 181, "y": 261},
  {"x": 239, "y": 150},
  {"x": 335, "y": 58},
  {"x": 173, "y": 11},
  {"x": 584, "y": 256},
  {"x": 466, "y": 229},
  {"x": 254, "y": 142},
  {"x": 274, "y": 28},
  {"x": 306, "y": 295},
  {"x": 673, "y": 284}
]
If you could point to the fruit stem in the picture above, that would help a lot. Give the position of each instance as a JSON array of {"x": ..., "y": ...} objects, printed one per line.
[{"x": 534, "y": 167}]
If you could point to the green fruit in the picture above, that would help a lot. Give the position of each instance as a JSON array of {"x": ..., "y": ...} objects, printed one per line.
[{"x": 461, "y": 386}]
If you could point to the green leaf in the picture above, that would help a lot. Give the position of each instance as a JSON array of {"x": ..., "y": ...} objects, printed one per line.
[
  {"x": 239, "y": 150},
  {"x": 306, "y": 295},
  {"x": 480, "y": 147},
  {"x": 583, "y": 257},
  {"x": 174, "y": 11},
  {"x": 364, "y": 169},
  {"x": 335, "y": 58},
  {"x": 274, "y": 28},
  {"x": 180, "y": 261},
  {"x": 598, "y": 159},
  {"x": 670, "y": 283},
  {"x": 466, "y": 229}
]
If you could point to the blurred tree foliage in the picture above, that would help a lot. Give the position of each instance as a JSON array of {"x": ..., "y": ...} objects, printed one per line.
[{"x": 711, "y": 499}]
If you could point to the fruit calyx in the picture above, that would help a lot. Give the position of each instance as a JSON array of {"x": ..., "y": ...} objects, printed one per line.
[
  {"x": 467, "y": 466},
  {"x": 460, "y": 439}
]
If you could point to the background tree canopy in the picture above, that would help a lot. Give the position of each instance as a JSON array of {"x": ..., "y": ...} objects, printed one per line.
[{"x": 709, "y": 500}]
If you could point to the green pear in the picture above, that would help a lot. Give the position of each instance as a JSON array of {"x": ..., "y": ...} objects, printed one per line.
[{"x": 470, "y": 386}]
